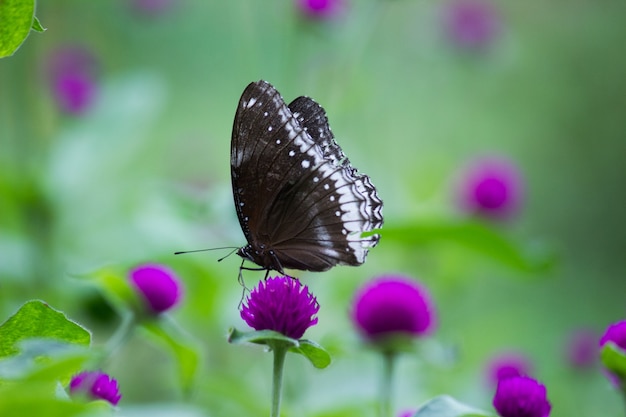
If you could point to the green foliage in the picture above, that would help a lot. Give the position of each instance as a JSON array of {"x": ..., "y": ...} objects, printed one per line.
[
  {"x": 17, "y": 18},
  {"x": 475, "y": 236},
  {"x": 36, "y": 319},
  {"x": 614, "y": 359},
  {"x": 185, "y": 352},
  {"x": 445, "y": 406},
  {"x": 316, "y": 354}
]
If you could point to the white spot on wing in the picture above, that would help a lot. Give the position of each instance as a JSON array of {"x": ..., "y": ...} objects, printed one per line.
[
  {"x": 306, "y": 164},
  {"x": 250, "y": 103}
]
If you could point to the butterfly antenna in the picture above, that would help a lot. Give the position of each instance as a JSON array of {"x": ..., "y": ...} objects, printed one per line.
[{"x": 208, "y": 249}]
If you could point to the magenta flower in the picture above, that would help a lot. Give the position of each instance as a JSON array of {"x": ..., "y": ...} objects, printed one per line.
[
  {"x": 582, "y": 348},
  {"x": 407, "y": 413},
  {"x": 72, "y": 77},
  {"x": 151, "y": 7},
  {"x": 521, "y": 396},
  {"x": 393, "y": 304},
  {"x": 491, "y": 187},
  {"x": 157, "y": 285},
  {"x": 281, "y": 304},
  {"x": 615, "y": 333},
  {"x": 320, "y": 9},
  {"x": 507, "y": 365},
  {"x": 96, "y": 385},
  {"x": 472, "y": 24}
]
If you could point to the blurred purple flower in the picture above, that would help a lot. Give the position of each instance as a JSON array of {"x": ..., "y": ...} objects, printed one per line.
[
  {"x": 472, "y": 24},
  {"x": 96, "y": 385},
  {"x": 281, "y": 304},
  {"x": 521, "y": 396},
  {"x": 151, "y": 7},
  {"x": 157, "y": 285},
  {"x": 407, "y": 413},
  {"x": 582, "y": 348},
  {"x": 507, "y": 365},
  {"x": 615, "y": 333},
  {"x": 491, "y": 187},
  {"x": 320, "y": 9},
  {"x": 393, "y": 304},
  {"x": 72, "y": 74}
]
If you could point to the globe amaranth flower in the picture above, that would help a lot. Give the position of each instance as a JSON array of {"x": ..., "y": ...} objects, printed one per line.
[
  {"x": 507, "y": 365},
  {"x": 281, "y": 304},
  {"x": 72, "y": 75},
  {"x": 615, "y": 333},
  {"x": 151, "y": 7},
  {"x": 96, "y": 385},
  {"x": 392, "y": 304},
  {"x": 521, "y": 396},
  {"x": 472, "y": 24},
  {"x": 490, "y": 187},
  {"x": 157, "y": 285},
  {"x": 320, "y": 9},
  {"x": 582, "y": 348}
]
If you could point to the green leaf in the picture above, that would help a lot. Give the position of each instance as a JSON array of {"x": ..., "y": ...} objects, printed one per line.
[
  {"x": 37, "y": 25},
  {"x": 446, "y": 406},
  {"x": 614, "y": 359},
  {"x": 261, "y": 337},
  {"x": 36, "y": 319},
  {"x": 316, "y": 354},
  {"x": 116, "y": 289},
  {"x": 16, "y": 20},
  {"x": 185, "y": 352},
  {"x": 473, "y": 235}
]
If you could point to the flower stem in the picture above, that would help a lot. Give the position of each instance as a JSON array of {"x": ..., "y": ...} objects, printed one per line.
[
  {"x": 280, "y": 353},
  {"x": 120, "y": 337},
  {"x": 386, "y": 380}
]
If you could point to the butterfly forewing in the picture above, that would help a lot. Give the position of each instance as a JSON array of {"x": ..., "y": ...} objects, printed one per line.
[{"x": 300, "y": 203}]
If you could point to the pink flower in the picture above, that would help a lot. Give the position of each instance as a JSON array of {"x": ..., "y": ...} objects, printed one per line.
[
  {"x": 72, "y": 77},
  {"x": 321, "y": 9},
  {"x": 393, "y": 304},
  {"x": 507, "y": 365},
  {"x": 96, "y": 385},
  {"x": 472, "y": 24},
  {"x": 157, "y": 285},
  {"x": 521, "y": 396},
  {"x": 491, "y": 187}
]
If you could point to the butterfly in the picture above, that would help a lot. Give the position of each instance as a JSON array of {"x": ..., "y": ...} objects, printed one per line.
[{"x": 300, "y": 203}]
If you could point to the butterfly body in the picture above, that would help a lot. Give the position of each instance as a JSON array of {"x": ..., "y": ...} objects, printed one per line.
[{"x": 300, "y": 203}]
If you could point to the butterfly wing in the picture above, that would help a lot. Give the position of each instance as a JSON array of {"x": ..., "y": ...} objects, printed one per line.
[{"x": 295, "y": 192}]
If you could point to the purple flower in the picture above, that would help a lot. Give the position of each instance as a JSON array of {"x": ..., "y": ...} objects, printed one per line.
[
  {"x": 72, "y": 77},
  {"x": 407, "y": 413},
  {"x": 393, "y": 304},
  {"x": 281, "y": 304},
  {"x": 582, "y": 349},
  {"x": 151, "y": 7},
  {"x": 615, "y": 333},
  {"x": 521, "y": 396},
  {"x": 157, "y": 285},
  {"x": 320, "y": 9},
  {"x": 491, "y": 187},
  {"x": 96, "y": 385},
  {"x": 472, "y": 24},
  {"x": 507, "y": 365}
]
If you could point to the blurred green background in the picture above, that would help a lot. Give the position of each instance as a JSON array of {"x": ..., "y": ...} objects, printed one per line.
[{"x": 144, "y": 172}]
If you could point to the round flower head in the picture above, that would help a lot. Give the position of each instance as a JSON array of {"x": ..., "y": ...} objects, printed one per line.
[
  {"x": 615, "y": 333},
  {"x": 157, "y": 285},
  {"x": 521, "y": 396},
  {"x": 507, "y": 365},
  {"x": 491, "y": 187},
  {"x": 472, "y": 24},
  {"x": 392, "y": 304},
  {"x": 582, "y": 349},
  {"x": 320, "y": 9},
  {"x": 96, "y": 385},
  {"x": 281, "y": 304},
  {"x": 72, "y": 77}
]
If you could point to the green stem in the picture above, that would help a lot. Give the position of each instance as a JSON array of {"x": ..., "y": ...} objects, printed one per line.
[
  {"x": 120, "y": 337},
  {"x": 385, "y": 386},
  {"x": 280, "y": 353}
]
